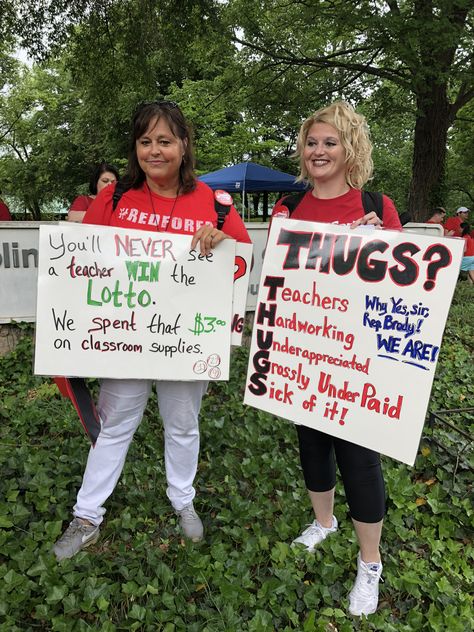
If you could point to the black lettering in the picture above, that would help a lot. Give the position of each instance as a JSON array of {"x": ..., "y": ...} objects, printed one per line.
[
  {"x": 372, "y": 270},
  {"x": 408, "y": 272},
  {"x": 294, "y": 241}
]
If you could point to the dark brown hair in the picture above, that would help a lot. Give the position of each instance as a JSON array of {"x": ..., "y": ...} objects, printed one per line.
[
  {"x": 170, "y": 112},
  {"x": 99, "y": 169}
]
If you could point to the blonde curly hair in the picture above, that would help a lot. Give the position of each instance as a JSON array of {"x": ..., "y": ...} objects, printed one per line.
[{"x": 355, "y": 138}]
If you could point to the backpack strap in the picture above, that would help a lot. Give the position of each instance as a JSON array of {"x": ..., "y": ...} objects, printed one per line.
[
  {"x": 222, "y": 212},
  {"x": 292, "y": 201},
  {"x": 373, "y": 201},
  {"x": 120, "y": 188},
  {"x": 222, "y": 205}
]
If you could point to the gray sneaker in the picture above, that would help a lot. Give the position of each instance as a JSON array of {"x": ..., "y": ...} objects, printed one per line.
[
  {"x": 190, "y": 523},
  {"x": 76, "y": 537}
]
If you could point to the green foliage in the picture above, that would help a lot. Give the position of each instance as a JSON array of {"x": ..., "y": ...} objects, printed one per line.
[
  {"x": 39, "y": 161},
  {"x": 350, "y": 49},
  {"x": 246, "y": 73},
  {"x": 142, "y": 576}
]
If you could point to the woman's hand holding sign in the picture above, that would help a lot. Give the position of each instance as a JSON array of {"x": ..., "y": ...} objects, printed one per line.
[
  {"x": 208, "y": 238},
  {"x": 371, "y": 219}
]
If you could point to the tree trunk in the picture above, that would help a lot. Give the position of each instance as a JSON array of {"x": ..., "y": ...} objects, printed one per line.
[
  {"x": 35, "y": 210},
  {"x": 429, "y": 151}
]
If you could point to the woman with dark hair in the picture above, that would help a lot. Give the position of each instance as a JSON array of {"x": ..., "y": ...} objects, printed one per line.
[
  {"x": 159, "y": 192},
  {"x": 102, "y": 175}
]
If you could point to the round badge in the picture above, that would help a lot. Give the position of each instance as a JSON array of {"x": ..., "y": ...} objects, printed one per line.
[
  {"x": 199, "y": 367},
  {"x": 223, "y": 197},
  {"x": 281, "y": 212},
  {"x": 213, "y": 360},
  {"x": 214, "y": 373}
]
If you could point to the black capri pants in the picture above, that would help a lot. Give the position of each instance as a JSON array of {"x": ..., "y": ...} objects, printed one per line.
[{"x": 360, "y": 469}]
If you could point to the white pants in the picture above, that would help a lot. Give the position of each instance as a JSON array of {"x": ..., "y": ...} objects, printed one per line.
[{"x": 121, "y": 405}]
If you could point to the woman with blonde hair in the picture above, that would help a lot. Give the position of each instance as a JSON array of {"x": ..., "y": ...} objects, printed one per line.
[{"x": 334, "y": 151}]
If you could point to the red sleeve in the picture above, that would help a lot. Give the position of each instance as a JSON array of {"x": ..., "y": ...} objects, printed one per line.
[
  {"x": 4, "y": 212},
  {"x": 100, "y": 211},
  {"x": 235, "y": 228},
  {"x": 81, "y": 203},
  {"x": 280, "y": 210},
  {"x": 391, "y": 219},
  {"x": 469, "y": 249},
  {"x": 453, "y": 223}
]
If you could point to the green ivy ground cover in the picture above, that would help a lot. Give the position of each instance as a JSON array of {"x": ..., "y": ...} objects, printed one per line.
[{"x": 142, "y": 576}]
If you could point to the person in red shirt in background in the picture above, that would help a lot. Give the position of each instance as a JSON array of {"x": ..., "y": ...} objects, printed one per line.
[
  {"x": 102, "y": 175},
  {"x": 335, "y": 152},
  {"x": 454, "y": 223},
  {"x": 437, "y": 216},
  {"x": 5, "y": 215},
  {"x": 161, "y": 194},
  {"x": 467, "y": 262}
]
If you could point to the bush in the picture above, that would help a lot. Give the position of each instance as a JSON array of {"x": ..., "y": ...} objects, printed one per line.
[{"x": 142, "y": 576}]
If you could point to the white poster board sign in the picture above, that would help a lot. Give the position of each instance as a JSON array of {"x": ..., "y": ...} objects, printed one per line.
[
  {"x": 347, "y": 330},
  {"x": 243, "y": 265},
  {"x": 18, "y": 271},
  {"x": 19, "y": 275},
  {"x": 125, "y": 303},
  {"x": 258, "y": 234}
]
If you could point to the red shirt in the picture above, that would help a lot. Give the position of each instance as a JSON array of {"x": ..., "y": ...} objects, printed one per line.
[
  {"x": 454, "y": 224},
  {"x": 4, "y": 212},
  {"x": 81, "y": 203},
  {"x": 144, "y": 210},
  {"x": 344, "y": 209},
  {"x": 469, "y": 247}
]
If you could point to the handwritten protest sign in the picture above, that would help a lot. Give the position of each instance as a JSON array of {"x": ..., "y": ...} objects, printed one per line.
[
  {"x": 130, "y": 304},
  {"x": 243, "y": 261},
  {"x": 347, "y": 330}
]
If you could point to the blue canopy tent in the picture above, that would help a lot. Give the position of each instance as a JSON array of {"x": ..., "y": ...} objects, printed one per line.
[{"x": 248, "y": 177}]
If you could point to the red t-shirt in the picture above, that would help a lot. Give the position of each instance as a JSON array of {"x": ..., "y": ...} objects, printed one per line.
[
  {"x": 4, "y": 212},
  {"x": 81, "y": 203},
  {"x": 144, "y": 210},
  {"x": 469, "y": 247},
  {"x": 344, "y": 209},
  {"x": 454, "y": 224}
]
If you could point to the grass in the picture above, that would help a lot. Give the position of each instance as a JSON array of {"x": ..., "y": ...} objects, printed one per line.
[{"x": 142, "y": 576}]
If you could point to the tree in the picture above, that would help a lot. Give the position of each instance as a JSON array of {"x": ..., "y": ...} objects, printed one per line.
[
  {"x": 422, "y": 46},
  {"x": 37, "y": 153},
  {"x": 460, "y": 168},
  {"x": 106, "y": 58}
]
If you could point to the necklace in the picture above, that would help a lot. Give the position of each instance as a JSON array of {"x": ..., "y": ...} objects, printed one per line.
[{"x": 153, "y": 207}]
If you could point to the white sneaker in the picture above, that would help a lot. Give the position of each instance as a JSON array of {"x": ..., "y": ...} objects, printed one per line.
[
  {"x": 191, "y": 523},
  {"x": 315, "y": 534},
  {"x": 364, "y": 596}
]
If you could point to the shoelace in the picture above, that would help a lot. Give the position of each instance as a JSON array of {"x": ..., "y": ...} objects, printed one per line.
[
  {"x": 364, "y": 587},
  {"x": 314, "y": 529},
  {"x": 319, "y": 528},
  {"x": 77, "y": 527},
  {"x": 72, "y": 531},
  {"x": 188, "y": 512}
]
